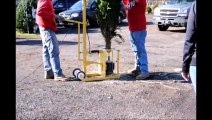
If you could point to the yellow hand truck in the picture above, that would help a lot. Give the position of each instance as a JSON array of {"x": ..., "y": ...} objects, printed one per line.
[{"x": 106, "y": 62}]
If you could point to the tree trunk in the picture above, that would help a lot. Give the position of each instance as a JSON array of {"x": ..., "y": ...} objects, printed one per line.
[{"x": 108, "y": 44}]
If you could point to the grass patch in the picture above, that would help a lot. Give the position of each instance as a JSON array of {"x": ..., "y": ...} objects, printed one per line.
[{"x": 26, "y": 35}]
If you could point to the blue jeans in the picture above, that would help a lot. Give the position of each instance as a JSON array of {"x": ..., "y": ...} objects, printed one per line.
[
  {"x": 51, "y": 60},
  {"x": 137, "y": 40},
  {"x": 192, "y": 73}
]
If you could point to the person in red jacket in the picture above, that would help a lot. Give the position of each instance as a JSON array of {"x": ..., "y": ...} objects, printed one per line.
[
  {"x": 45, "y": 18},
  {"x": 137, "y": 26}
]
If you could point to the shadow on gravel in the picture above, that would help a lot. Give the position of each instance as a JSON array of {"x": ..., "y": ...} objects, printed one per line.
[
  {"x": 149, "y": 23},
  {"x": 126, "y": 24},
  {"x": 180, "y": 31},
  {"x": 156, "y": 76},
  {"x": 39, "y": 42},
  {"x": 153, "y": 76},
  {"x": 74, "y": 30}
]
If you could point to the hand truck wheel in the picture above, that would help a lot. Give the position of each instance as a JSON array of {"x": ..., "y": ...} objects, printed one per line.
[
  {"x": 80, "y": 75},
  {"x": 75, "y": 72}
]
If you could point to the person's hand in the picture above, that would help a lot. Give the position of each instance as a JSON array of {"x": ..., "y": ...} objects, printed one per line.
[{"x": 185, "y": 76}]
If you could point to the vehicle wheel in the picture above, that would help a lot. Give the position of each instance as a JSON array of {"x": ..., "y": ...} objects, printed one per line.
[
  {"x": 66, "y": 26},
  {"x": 88, "y": 23},
  {"x": 162, "y": 27},
  {"x": 81, "y": 75},
  {"x": 120, "y": 20},
  {"x": 75, "y": 72}
]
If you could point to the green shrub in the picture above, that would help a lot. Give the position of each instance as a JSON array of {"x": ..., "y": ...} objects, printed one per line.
[
  {"x": 24, "y": 19},
  {"x": 148, "y": 9}
]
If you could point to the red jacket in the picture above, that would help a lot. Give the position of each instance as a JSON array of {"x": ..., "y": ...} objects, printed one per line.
[
  {"x": 136, "y": 14},
  {"x": 45, "y": 15}
]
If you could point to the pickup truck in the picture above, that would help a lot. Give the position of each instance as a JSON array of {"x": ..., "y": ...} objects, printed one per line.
[{"x": 173, "y": 14}]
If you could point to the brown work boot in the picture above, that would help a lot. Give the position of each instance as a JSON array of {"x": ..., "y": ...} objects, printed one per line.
[
  {"x": 134, "y": 71},
  {"x": 61, "y": 78},
  {"x": 142, "y": 76}
]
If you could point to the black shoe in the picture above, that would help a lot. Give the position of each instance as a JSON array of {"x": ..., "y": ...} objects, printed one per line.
[
  {"x": 49, "y": 74},
  {"x": 142, "y": 76},
  {"x": 134, "y": 72}
]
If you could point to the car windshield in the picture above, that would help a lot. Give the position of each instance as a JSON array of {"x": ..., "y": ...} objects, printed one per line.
[
  {"x": 53, "y": 1},
  {"x": 78, "y": 5},
  {"x": 179, "y": 1}
]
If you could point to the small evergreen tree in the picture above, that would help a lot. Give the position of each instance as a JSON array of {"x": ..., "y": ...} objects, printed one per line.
[
  {"x": 107, "y": 18},
  {"x": 148, "y": 9},
  {"x": 24, "y": 19}
]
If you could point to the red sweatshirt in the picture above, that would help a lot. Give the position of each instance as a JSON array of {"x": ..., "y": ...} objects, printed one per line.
[
  {"x": 136, "y": 14},
  {"x": 45, "y": 14}
]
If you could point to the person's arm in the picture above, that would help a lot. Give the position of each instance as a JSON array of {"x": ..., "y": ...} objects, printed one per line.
[{"x": 189, "y": 44}]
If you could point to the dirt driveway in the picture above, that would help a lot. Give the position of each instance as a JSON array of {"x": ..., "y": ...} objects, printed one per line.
[{"x": 163, "y": 96}]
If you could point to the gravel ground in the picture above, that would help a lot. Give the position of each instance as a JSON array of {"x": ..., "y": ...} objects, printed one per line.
[{"x": 163, "y": 96}]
